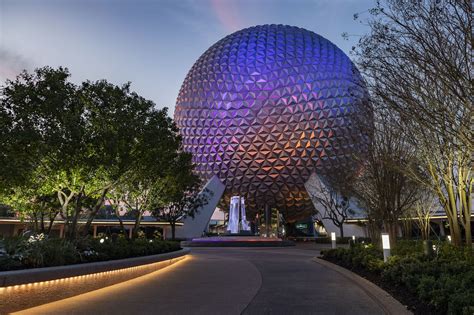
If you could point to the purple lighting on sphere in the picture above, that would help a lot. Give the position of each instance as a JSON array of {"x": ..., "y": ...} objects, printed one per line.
[{"x": 265, "y": 107}]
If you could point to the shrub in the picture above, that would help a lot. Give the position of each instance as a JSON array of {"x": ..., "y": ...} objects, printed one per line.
[
  {"x": 40, "y": 251},
  {"x": 50, "y": 252},
  {"x": 444, "y": 281}
]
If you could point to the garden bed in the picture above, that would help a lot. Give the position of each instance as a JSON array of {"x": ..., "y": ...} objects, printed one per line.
[
  {"x": 38, "y": 251},
  {"x": 440, "y": 284},
  {"x": 22, "y": 289}
]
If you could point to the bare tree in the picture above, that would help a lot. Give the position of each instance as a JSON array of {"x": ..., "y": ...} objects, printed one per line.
[
  {"x": 417, "y": 61},
  {"x": 423, "y": 211},
  {"x": 333, "y": 199},
  {"x": 384, "y": 189}
]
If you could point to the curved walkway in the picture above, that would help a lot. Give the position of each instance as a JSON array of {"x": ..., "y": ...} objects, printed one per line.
[{"x": 228, "y": 281}]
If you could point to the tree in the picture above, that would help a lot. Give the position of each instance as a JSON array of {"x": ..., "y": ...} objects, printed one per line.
[
  {"x": 40, "y": 107},
  {"x": 333, "y": 198},
  {"x": 81, "y": 141},
  {"x": 423, "y": 211},
  {"x": 177, "y": 195},
  {"x": 29, "y": 127},
  {"x": 384, "y": 189},
  {"x": 417, "y": 59},
  {"x": 156, "y": 147}
]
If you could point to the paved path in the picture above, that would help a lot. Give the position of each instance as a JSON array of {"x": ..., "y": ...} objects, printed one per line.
[{"x": 228, "y": 281}]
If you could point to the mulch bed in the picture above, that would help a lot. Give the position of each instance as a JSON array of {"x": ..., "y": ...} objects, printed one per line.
[{"x": 402, "y": 294}]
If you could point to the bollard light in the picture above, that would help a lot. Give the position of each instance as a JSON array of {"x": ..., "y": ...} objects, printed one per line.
[
  {"x": 333, "y": 240},
  {"x": 353, "y": 238},
  {"x": 385, "y": 241},
  {"x": 449, "y": 238},
  {"x": 385, "y": 246}
]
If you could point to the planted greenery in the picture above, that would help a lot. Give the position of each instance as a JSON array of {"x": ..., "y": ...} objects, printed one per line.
[
  {"x": 68, "y": 149},
  {"x": 40, "y": 251},
  {"x": 443, "y": 281}
]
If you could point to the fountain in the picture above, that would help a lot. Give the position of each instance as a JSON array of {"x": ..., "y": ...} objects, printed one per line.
[{"x": 237, "y": 209}]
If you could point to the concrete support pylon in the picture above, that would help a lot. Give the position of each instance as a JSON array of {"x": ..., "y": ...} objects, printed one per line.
[{"x": 194, "y": 227}]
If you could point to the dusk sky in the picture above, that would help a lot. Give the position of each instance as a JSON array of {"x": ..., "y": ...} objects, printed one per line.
[{"x": 153, "y": 44}]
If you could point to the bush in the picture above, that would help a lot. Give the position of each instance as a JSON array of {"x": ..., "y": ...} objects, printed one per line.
[
  {"x": 50, "y": 252},
  {"x": 445, "y": 281},
  {"x": 40, "y": 251},
  {"x": 327, "y": 240},
  {"x": 8, "y": 263},
  {"x": 360, "y": 256}
]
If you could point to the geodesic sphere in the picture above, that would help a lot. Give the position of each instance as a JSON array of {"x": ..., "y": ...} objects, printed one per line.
[{"x": 265, "y": 107}]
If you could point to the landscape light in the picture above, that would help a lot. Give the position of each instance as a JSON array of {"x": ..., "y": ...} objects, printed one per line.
[
  {"x": 385, "y": 246},
  {"x": 333, "y": 240},
  {"x": 353, "y": 238},
  {"x": 101, "y": 240},
  {"x": 449, "y": 238},
  {"x": 385, "y": 241}
]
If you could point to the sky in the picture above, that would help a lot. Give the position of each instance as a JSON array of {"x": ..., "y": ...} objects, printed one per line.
[{"x": 152, "y": 44}]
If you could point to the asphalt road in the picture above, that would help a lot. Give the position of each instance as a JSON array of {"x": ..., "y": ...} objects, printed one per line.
[{"x": 228, "y": 281}]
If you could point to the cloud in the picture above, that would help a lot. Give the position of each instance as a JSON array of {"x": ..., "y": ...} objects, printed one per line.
[
  {"x": 11, "y": 64},
  {"x": 227, "y": 12}
]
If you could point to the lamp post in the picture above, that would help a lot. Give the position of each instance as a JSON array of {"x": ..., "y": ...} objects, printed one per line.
[
  {"x": 385, "y": 246},
  {"x": 333, "y": 240}
]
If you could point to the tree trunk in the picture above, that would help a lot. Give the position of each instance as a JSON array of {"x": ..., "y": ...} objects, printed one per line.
[
  {"x": 173, "y": 230},
  {"x": 341, "y": 230},
  {"x": 93, "y": 212},
  {"x": 122, "y": 227},
  {"x": 72, "y": 231},
  {"x": 136, "y": 226},
  {"x": 467, "y": 231},
  {"x": 51, "y": 221},
  {"x": 43, "y": 230}
]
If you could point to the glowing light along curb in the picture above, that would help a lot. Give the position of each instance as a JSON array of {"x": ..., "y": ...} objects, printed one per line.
[{"x": 170, "y": 262}]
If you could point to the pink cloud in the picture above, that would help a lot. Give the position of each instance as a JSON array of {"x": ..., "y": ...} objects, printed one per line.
[
  {"x": 11, "y": 64},
  {"x": 228, "y": 14}
]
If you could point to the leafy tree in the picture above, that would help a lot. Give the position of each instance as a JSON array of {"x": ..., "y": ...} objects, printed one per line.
[
  {"x": 40, "y": 107},
  {"x": 177, "y": 195},
  {"x": 81, "y": 141},
  {"x": 156, "y": 146}
]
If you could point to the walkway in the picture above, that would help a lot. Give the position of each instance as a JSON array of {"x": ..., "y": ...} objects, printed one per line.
[{"x": 228, "y": 281}]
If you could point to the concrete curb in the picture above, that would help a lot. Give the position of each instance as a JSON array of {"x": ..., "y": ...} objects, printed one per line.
[
  {"x": 22, "y": 289},
  {"x": 388, "y": 303},
  {"x": 24, "y": 276}
]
